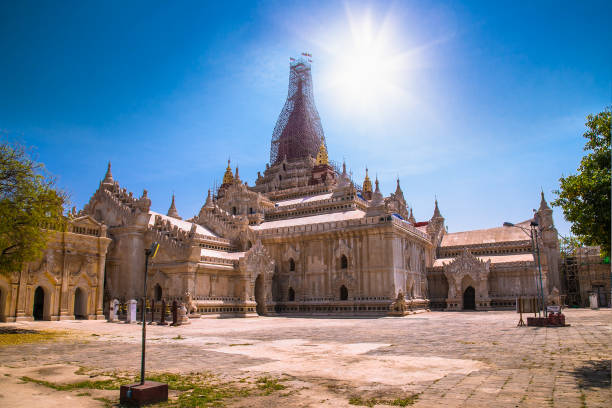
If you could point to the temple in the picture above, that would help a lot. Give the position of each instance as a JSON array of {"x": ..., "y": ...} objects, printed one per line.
[{"x": 307, "y": 239}]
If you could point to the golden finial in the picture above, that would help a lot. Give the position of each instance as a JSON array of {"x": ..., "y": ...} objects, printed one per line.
[
  {"x": 322, "y": 155},
  {"x": 228, "y": 177},
  {"x": 367, "y": 183}
]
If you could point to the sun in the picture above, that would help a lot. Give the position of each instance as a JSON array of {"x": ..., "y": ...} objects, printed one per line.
[{"x": 366, "y": 72}]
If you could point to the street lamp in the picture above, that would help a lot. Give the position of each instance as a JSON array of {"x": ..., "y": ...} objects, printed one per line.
[
  {"x": 533, "y": 234},
  {"x": 150, "y": 252},
  {"x": 149, "y": 392}
]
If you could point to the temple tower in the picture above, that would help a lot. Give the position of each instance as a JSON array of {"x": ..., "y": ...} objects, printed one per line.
[{"x": 298, "y": 132}]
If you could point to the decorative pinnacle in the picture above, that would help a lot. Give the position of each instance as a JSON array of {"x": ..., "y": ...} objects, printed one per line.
[
  {"x": 108, "y": 178},
  {"x": 172, "y": 212},
  {"x": 367, "y": 183},
  {"x": 398, "y": 189},
  {"x": 322, "y": 155},
  {"x": 543, "y": 203},
  {"x": 411, "y": 219},
  {"x": 228, "y": 177},
  {"x": 436, "y": 213},
  {"x": 209, "y": 202}
]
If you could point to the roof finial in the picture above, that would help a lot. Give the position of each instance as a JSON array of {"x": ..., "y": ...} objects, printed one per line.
[
  {"x": 543, "y": 203},
  {"x": 108, "y": 178},
  {"x": 436, "y": 213},
  {"x": 411, "y": 219},
  {"x": 209, "y": 202},
  {"x": 322, "y": 155},
  {"x": 367, "y": 183},
  {"x": 237, "y": 177},
  {"x": 228, "y": 177},
  {"x": 172, "y": 212}
]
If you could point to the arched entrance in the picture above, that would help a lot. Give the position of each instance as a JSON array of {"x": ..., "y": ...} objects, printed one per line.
[
  {"x": 158, "y": 293},
  {"x": 80, "y": 304},
  {"x": 291, "y": 294},
  {"x": 39, "y": 304},
  {"x": 260, "y": 295},
  {"x": 343, "y": 293},
  {"x": 469, "y": 299}
]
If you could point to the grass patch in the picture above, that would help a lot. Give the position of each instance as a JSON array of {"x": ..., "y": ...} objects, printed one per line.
[
  {"x": 466, "y": 342},
  {"x": 240, "y": 344},
  {"x": 269, "y": 385},
  {"x": 11, "y": 336},
  {"x": 107, "y": 403},
  {"x": 112, "y": 384},
  {"x": 370, "y": 402},
  {"x": 179, "y": 337},
  {"x": 194, "y": 389}
]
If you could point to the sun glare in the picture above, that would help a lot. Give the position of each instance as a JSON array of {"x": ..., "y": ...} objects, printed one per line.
[{"x": 366, "y": 71}]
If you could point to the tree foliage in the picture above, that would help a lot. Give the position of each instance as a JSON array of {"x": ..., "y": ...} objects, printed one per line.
[
  {"x": 585, "y": 196},
  {"x": 29, "y": 206}
]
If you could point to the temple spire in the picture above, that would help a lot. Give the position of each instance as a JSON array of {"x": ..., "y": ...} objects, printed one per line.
[
  {"x": 237, "y": 176},
  {"x": 367, "y": 184},
  {"x": 411, "y": 219},
  {"x": 377, "y": 197},
  {"x": 543, "y": 203},
  {"x": 228, "y": 177},
  {"x": 322, "y": 158},
  {"x": 398, "y": 189},
  {"x": 172, "y": 212},
  {"x": 108, "y": 178},
  {"x": 298, "y": 132},
  {"x": 209, "y": 202},
  {"x": 436, "y": 213}
]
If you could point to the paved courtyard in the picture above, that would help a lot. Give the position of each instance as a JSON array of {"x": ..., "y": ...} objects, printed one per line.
[{"x": 434, "y": 359}]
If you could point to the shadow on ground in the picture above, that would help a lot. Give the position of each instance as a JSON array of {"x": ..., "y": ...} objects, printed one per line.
[
  {"x": 15, "y": 330},
  {"x": 594, "y": 374}
]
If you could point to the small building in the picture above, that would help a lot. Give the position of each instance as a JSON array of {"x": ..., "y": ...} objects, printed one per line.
[{"x": 67, "y": 282}]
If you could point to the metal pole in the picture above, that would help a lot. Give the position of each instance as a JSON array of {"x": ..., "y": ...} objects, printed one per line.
[
  {"x": 539, "y": 268},
  {"x": 144, "y": 314},
  {"x": 535, "y": 278}
]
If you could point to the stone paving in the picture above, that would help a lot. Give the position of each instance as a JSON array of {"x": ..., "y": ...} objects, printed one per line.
[{"x": 450, "y": 359}]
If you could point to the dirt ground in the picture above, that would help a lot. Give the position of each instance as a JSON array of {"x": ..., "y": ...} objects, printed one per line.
[{"x": 426, "y": 360}]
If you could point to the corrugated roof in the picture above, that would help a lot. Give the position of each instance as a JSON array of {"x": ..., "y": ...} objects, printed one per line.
[
  {"x": 314, "y": 219},
  {"x": 184, "y": 225},
  {"x": 221, "y": 254},
  {"x": 495, "y": 259},
  {"x": 486, "y": 236},
  {"x": 301, "y": 200}
]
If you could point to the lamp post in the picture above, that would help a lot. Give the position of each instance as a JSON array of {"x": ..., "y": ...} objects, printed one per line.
[
  {"x": 533, "y": 234},
  {"x": 149, "y": 392},
  {"x": 150, "y": 252}
]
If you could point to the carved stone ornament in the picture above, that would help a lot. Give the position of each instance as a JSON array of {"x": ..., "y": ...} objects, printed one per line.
[{"x": 464, "y": 265}]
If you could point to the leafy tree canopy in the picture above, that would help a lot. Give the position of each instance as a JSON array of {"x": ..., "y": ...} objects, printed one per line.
[
  {"x": 30, "y": 205},
  {"x": 585, "y": 196}
]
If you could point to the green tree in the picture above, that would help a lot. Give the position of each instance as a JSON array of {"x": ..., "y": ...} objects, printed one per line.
[
  {"x": 585, "y": 196},
  {"x": 30, "y": 205}
]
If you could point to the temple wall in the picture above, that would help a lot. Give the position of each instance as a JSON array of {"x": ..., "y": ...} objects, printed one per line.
[{"x": 67, "y": 281}]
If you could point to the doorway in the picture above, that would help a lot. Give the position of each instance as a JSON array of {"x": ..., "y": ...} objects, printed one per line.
[
  {"x": 39, "y": 304},
  {"x": 260, "y": 296},
  {"x": 343, "y": 293},
  {"x": 469, "y": 299},
  {"x": 80, "y": 304}
]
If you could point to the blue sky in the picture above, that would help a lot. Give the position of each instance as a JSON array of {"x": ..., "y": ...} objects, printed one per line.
[{"x": 481, "y": 104}]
